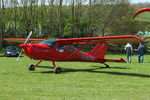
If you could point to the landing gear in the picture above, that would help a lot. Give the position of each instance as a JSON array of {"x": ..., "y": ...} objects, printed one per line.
[
  {"x": 107, "y": 66},
  {"x": 31, "y": 67},
  {"x": 57, "y": 70}
]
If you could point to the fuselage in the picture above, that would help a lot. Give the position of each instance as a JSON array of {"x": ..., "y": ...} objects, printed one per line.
[{"x": 51, "y": 50}]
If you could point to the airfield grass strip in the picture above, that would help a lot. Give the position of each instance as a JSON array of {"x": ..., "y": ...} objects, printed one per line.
[{"x": 78, "y": 81}]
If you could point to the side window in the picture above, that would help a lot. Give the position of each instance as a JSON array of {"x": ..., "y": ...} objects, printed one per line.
[
  {"x": 51, "y": 44},
  {"x": 72, "y": 48},
  {"x": 61, "y": 48}
]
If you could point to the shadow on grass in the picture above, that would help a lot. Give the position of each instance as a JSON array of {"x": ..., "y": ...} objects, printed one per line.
[
  {"x": 9, "y": 56},
  {"x": 2, "y": 55},
  {"x": 96, "y": 67},
  {"x": 67, "y": 70},
  {"x": 111, "y": 67},
  {"x": 46, "y": 67}
]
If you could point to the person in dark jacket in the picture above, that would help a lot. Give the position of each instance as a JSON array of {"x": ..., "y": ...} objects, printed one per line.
[
  {"x": 129, "y": 51},
  {"x": 141, "y": 53}
]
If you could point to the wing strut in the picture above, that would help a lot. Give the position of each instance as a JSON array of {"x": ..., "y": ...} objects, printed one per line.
[{"x": 77, "y": 50}]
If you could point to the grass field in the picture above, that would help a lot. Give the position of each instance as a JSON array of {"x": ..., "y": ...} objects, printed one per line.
[{"x": 78, "y": 81}]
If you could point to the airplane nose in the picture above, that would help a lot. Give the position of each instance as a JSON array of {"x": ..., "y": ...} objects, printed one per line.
[{"x": 23, "y": 46}]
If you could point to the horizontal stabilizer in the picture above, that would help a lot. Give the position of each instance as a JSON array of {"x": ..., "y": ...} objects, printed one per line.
[{"x": 115, "y": 60}]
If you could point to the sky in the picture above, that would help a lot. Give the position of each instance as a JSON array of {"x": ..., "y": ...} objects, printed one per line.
[{"x": 139, "y": 1}]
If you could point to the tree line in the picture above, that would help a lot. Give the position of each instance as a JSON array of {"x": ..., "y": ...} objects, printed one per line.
[{"x": 66, "y": 18}]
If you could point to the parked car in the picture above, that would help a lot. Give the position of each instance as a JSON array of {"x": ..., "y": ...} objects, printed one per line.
[{"x": 11, "y": 51}]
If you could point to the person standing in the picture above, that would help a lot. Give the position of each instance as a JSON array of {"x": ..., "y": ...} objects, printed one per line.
[
  {"x": 140, "y": 53},
  {"x": 129, "y": 51}
]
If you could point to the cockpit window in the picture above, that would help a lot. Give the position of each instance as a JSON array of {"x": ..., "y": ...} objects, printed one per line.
[
  {"x": 50, "y": 43},
  {"x": 61, "y": 48},
  {"x": 72, "y": 48}
]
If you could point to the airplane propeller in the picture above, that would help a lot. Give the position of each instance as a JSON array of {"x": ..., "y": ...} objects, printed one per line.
[{"x": 24, "y": 43}]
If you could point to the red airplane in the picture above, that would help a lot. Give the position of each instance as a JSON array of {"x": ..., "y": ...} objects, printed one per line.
[{"x": 63, "y": 50}]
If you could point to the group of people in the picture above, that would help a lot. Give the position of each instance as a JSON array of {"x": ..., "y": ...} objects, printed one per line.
[{"x": 129, "y": 50}]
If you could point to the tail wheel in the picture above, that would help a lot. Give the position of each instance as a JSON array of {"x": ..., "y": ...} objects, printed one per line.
[
  {"x": 31, "y": 67},
  {"x": 57, "y": 70}
]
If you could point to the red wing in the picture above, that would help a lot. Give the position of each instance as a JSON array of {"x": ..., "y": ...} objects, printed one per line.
[
  {"x": 23, "y": 40},
  {"x": 109, "y": 39},
  {"x": 143, "y": 15}
]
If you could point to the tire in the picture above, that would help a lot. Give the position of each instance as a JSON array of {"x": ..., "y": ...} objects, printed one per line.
[
  {"x": 57, "y": 70},
  {"x": 31, "y": 67}
]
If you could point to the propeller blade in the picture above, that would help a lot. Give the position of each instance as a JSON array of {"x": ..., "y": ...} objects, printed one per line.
[
  {"x": 19, "y": 55},
  {"x": 24, "y": 43},
  {"x": 28, "y": 37}
]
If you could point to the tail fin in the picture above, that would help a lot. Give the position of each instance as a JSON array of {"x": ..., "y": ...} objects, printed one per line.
[{"x": 99, "y": 50}]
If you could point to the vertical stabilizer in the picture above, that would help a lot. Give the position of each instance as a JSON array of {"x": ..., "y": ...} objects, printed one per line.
[{"x": 99, "y": 50}]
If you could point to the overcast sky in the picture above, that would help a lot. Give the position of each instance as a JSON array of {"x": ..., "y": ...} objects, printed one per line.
[{"x": 139, "y": 1}]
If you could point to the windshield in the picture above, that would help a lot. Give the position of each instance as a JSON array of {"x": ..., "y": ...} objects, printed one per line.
[{"x": 50, "y": 43}]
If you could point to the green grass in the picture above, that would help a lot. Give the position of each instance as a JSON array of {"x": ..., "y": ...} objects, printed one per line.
[{"x": 78, "y": 81}]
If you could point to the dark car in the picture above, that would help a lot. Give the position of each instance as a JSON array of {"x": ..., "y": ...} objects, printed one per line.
[{"x": 11, "y": 51}]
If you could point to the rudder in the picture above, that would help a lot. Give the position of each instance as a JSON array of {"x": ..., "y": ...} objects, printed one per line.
[{"x": 99, "y": 50}]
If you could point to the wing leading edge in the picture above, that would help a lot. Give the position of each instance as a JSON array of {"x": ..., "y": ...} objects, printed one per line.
[
  {"x": 108, "y": 39},
  {"x": 23, "y": 39},
  {"x": 105, "y": 39}
]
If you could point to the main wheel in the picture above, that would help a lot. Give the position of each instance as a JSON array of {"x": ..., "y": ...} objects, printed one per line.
[
  {"x": 57, "y": 70},
  {"x": 31, "y": 67}
]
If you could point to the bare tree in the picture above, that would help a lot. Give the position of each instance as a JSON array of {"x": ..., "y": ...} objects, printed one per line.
[
  {"x": 59, "y": 16},
  {"x": 14, "y": 4},
  {"x": 2, "y": 18}
]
